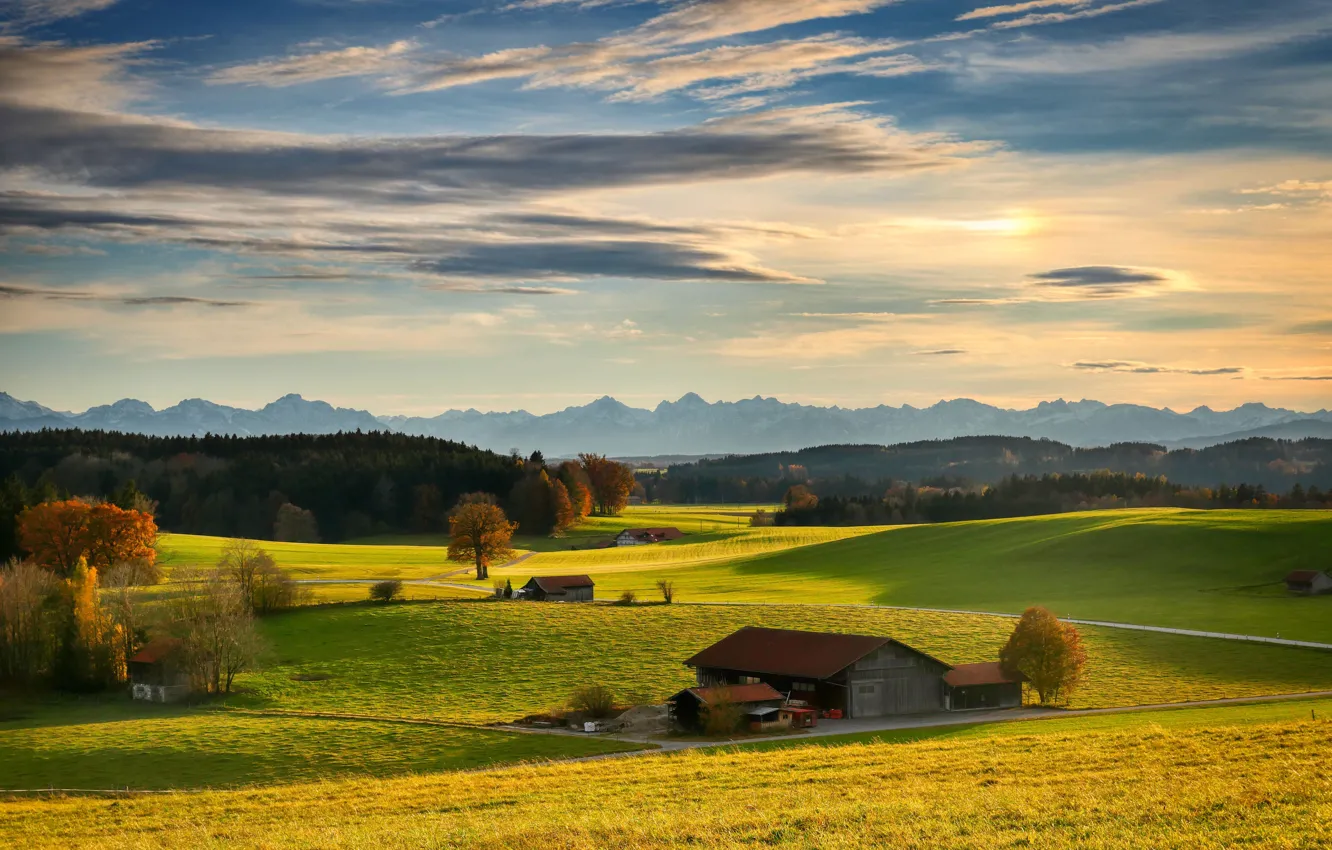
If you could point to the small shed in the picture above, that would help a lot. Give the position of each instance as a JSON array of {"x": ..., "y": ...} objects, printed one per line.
[
  {"x": 644, "y": 536},
  {"x": 689, "y": 707},
  {"x": 558, "y": 589},
  {"x": 984, "y": 685},
  {"x": 157, "y": 673},
  {"x": 1309, "y": 582}
]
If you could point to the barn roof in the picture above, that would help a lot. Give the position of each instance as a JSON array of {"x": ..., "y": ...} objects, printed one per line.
[
  {"x": 1299, "y": 576},
  {"x": 156, "y": 649},
  {"x": 761, "y": 692},
  {"x": 984, "y": 673},
  {"x": 663, "y": 533},
  {"x": 559, "y": 584},
  {"x": 786, "y": 652}
]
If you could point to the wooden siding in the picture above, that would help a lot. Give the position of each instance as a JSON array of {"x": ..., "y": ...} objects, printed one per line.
[{"x": 895, "y": 680}]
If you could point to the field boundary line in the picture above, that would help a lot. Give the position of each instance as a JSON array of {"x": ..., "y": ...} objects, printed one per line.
[{"x": 1303, "y": 644}]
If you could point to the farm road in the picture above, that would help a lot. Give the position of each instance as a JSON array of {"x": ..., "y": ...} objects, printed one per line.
[{"x": 924, "y": 721}]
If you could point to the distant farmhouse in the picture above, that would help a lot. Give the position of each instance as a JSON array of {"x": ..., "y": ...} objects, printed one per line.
[
  {"x": 854, "y": 676},
  {"x": 156, "y": 674},
  {"x": 557, "y": 589},
  {"x": 1309, "y": 582},
  {"x": 644, "y": 536}
]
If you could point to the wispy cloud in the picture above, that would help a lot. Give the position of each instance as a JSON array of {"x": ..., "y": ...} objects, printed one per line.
[
  {"x": 34, "y": 12},
  {"x": 8, "y": 291},
  {"x": 1136, "y": 368},
  {"x": 1096, "y": 282},
  {"x": 314, "y": 66}
]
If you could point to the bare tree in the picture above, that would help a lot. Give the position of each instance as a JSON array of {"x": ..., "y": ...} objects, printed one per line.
[
  {"x": 123, "y": 602},
  {"x": 27, "y": 621},
  {"x": 667, "y": 589},
  {"x": 213, "y": 621},
  {"x": 242, "y": 561}
]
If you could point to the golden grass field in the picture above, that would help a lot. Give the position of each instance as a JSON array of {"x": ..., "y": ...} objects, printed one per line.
[{"x": 1141, "y": 786}]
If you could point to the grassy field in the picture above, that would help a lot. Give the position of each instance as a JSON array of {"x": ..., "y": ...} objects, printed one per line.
[
  {"x": 119, "y": 744},
  {"x": 1210, "y": 570},
  {"x": 493, "y": 661},
  {"x": 1149, "y": 785}
]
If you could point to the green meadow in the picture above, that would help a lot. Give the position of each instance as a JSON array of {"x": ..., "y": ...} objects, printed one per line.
[
  {"x": 1208, "y": 570},
  {"x": 489, "y": 661}
]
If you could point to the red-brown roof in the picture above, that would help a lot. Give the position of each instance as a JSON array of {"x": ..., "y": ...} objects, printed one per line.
[
  {"x": 762, "y": 692},
  {"x": 156, "y": 649},
  {"x": 1303, "y": 576},
  {"x": 654, "y": 534},
  {"x": 984, "y": 673},
  {"x": 559, "y": 584},
  {"x": 785, "y": 652}
]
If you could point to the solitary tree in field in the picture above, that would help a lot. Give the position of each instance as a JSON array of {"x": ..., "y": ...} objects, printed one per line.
[
  {"x": 481, "y": 533},
  {"x": 1046, "y": 653}
]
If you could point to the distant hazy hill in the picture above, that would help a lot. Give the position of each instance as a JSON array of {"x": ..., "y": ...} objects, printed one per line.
[
  {"x": 1276, "y": 464},
  {"x": 692, "y": 426}
]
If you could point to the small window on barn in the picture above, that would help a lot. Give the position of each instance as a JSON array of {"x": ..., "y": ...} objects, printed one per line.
[
  {"x": 865, "y": 689},
  {"x": 802, "y": 686},
  {"x": 749, "y": 680}
]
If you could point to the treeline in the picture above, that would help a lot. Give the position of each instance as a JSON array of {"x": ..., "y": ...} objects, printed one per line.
[
  {"x": 1027, "y": 495},
  {"x": 298, "y": 487},
  {"x": 853, "y": 471}
]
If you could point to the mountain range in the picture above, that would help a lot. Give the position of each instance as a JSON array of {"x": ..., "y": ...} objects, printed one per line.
[{"x": 692, "y": 426}]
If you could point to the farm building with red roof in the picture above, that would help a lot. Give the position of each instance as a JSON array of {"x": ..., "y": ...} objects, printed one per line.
[
  {"x": 858, "y": 675},
  {"x": 1309, "y": 582},
  {"x": 558, "y": 589},
  {"x": 156, "y": 672}
]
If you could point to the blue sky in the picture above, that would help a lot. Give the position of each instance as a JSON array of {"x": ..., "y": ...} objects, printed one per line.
[{"x": 412, "y": 206}]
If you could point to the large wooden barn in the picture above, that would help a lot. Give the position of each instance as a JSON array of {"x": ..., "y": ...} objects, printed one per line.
[
  {"x": 860, "y": 675},
  {"x": 558, "y": 589}
]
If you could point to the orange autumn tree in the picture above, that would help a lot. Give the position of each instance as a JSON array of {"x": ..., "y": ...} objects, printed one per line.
[
  {"x": 58, "y": 534},
  {"x": 55, "y": 534},
  {"x": 1045, "y": 653},
  {"x": 481, "y": 532}
]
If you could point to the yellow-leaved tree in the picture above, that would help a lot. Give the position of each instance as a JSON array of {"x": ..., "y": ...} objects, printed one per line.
[{"x": 1045, "y": 653}]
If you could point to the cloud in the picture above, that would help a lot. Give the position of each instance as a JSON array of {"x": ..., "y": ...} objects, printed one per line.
[
  {"x": 9, "y": 291},
  {"x": 1017, "y": 8},
  {"x": 1135, "y": 368},
  {"x": 604, "y": 258},
  {"x": 940, "y": 352},
  {"x": 1299, "y": 378},
  {"x": 1137, "y": 52},
  {"x": 1079, "y": 13},
  {"x": 53, "y": 76},
  {"x": 643, "y": 62},
  {"x": 311, "y": 67},
  {"x": 1318, "y": 326},
  {"x": 708, "y": 20},
  {"x": 1096, "y": 282},
  {"x": 25, "y": 13}
]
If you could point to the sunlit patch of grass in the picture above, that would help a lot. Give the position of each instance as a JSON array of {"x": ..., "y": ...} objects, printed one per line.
[
  {"x": 118, "y": 744},
  {"x": 1148, "y": 786}
]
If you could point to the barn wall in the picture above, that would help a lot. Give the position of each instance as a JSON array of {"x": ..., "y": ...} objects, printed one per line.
[{"x": 895, "y": 680}]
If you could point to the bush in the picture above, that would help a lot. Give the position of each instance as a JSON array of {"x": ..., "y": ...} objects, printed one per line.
[
  {"x": 723, "y": 716},
  {"x": 385, "y": 591},
  {"x": 628, "y": 598},
  {"x": 596, "y": 701}
]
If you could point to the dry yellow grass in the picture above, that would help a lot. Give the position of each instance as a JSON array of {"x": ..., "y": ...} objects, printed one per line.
[{"x": 1150, "y": 786}]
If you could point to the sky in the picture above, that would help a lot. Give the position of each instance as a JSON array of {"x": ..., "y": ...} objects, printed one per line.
[{"x": 415, "y": 205}]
